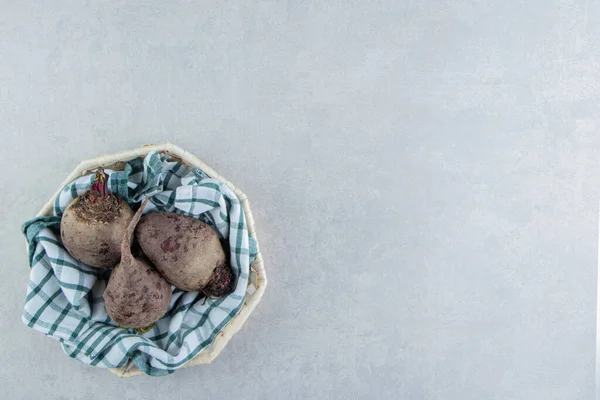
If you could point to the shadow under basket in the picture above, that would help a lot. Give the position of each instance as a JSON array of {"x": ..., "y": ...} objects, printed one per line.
[{"x": 258, "y": 278}]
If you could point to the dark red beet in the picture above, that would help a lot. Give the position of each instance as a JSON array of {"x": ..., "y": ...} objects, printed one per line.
[{"x": 93, "y": 225}]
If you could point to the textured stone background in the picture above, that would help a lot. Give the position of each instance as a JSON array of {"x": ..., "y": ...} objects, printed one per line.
[{"x": 424, "y": 176}]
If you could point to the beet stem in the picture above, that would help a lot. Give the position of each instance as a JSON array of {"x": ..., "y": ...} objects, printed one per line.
[{"x": 99, "y": 184}]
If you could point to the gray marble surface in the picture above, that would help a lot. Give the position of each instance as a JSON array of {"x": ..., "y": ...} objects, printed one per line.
[{"x": 424, "y": 176}]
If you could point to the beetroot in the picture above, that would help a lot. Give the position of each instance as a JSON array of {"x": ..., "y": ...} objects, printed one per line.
[
  {"x": 93, "y": 225},
  {"x": 136, "y": 295},
  {"x": 186, "y": 251}
]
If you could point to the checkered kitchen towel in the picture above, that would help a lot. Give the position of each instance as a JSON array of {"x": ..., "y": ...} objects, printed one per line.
[{"x": 64, "y": 297}]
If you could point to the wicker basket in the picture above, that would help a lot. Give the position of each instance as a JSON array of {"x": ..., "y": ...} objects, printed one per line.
[{"x": 258, "y": 278}]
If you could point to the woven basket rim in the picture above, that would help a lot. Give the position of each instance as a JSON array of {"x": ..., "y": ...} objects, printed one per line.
[{"x": 258, "y": 277}]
